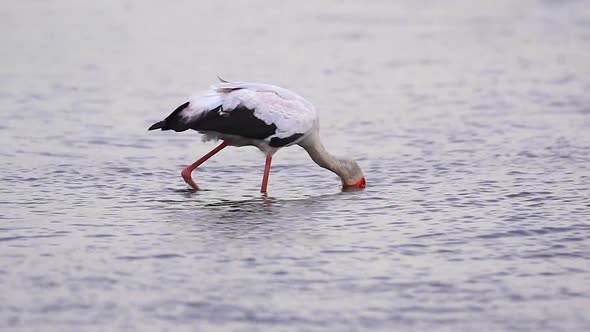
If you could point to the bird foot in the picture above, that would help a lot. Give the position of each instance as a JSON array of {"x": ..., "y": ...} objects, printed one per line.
[{"x": 187, "y": 176}]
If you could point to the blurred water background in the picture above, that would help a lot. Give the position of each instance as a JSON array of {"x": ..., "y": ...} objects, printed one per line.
[{"x": 471, "y": 120}]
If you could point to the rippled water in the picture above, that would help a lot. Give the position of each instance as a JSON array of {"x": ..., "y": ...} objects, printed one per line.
[{"x": 471, "y": 121}]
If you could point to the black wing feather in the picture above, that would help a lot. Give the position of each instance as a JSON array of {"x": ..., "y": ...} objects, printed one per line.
[{"x": 240, "y": 121}]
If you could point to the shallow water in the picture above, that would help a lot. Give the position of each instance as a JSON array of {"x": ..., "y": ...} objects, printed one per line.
[{"x": 470, "y": 120}]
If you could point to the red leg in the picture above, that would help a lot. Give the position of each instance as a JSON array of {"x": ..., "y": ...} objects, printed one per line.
[
  {"x": 266, "y": 174},
  {"x": 186, "y": 173}
]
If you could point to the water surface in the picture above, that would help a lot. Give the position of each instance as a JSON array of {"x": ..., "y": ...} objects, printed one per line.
[{"x": 471, "y": 122}]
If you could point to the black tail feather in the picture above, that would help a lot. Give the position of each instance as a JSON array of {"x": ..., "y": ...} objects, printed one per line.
[
  {"x": 158, "y": 125},
  {"x": 172, "y": 121}
]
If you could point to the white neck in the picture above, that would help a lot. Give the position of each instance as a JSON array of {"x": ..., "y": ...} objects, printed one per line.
[{"x": 347, "y": 170}]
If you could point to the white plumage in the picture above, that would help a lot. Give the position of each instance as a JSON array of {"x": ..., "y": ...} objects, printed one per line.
[{"x": 288, "y": 111}]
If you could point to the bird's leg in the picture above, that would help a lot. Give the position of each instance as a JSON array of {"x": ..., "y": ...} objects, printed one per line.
[
  {"x": 186, "y": 173},
  {"x": 266, "y": 174}
]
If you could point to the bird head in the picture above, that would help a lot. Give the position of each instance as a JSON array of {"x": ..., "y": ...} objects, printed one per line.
[{"x": 352, "y": 176}]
